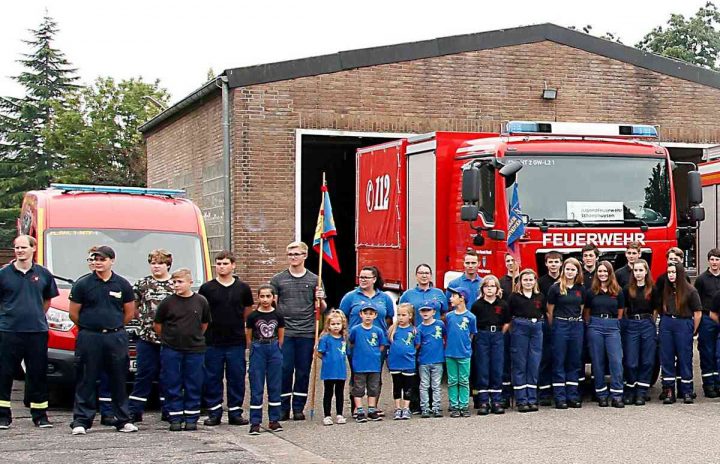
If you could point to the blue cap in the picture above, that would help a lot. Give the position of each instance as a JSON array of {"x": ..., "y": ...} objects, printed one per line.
[
  {"x": 369, "y": 307},
  {"x": 432, "y": 305},
  {"x": 462, "y": 292}
]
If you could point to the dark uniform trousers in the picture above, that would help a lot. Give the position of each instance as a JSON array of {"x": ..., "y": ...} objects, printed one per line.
[
  {"x": 31, "y": 347},
  {"x": 95, "y": 352}
]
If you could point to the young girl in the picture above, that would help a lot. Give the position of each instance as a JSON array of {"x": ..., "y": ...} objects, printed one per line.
[
  {"x": 264, "y": 333},
  {"x": 402, "y": 359},
  {"x": 527, "y": 308},
  {"x": 492, "y": 319},
  {"x": 564, "y": 309},
  {"x": 603, "y": 310},
  {"x": 681, "y": 314},
  {"x": 639, "y": 333},
  {"x": 332, "y": 349},
  {"x": 461, "y": 326}
]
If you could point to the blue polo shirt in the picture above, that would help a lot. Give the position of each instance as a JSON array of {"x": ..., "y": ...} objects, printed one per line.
[
  {"x": 418, "y": 297},
  {"x": 334, "y": 359},
  {"x": 403, "y": 349},
  {"x": 102, "y": 301},
  {"x": 22, "y": 295},
  {"x": 432, "y": 342},
  {"x": 472, "y": 287},
  {"x": 460, "y": 329},
  {"x": 604, "y": 303},
  {"x": 567, "y": 305},
  {"x": 366, "y": 344},
  {"x": 355, "y": 300}
]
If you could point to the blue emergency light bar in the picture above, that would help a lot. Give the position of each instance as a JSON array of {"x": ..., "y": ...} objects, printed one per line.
[
  {"x": 117, "y": 189},
  {"x": 582, "y": 129}
]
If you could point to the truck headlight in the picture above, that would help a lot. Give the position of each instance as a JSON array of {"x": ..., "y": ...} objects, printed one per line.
[{"x": 59, "y": 320}]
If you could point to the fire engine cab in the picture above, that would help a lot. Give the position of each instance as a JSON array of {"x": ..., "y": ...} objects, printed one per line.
[{"x": 428, "y": 198}]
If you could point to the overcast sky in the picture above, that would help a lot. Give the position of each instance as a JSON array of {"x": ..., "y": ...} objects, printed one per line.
[{"x": 179, "y": 41}]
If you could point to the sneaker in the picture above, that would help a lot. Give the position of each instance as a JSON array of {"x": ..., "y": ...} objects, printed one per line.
[
  {"x": 43, "y": 423},
  {"x": 79, "y": 430},
  {"x": 465, "y": 412},
  {"x": 425, "y": 413},
  {"x": 274, "y": 426},
  {"x": 175, "y": 426},
  {"x": 255, "y": 429},
  {"x": 561, "y": 405},
  {"x": 128, "y": 428},
  {"x": 135, "y": 417},
  {"x": 237, "y": 420},
  {"x": 327, "y": 420},
  {"x": 298, "y": 416},
  {"x": 406, "y": 414},
  {"x": 190, "y": 426},
  {"x": 455, "y": 412},
  {"x": 437, "y": 413},
  {"x": 374, "y": 416},
  {"x": 360, "y": 416},
  {"x": 212, "y": 421},
  {"x": 398, "y": 414},
  {"x": 108, "y": 421},
  {"x": 4, "y": 424},
  {"x": 340, "y": 420},
  {"x": 285, "y": 416}
]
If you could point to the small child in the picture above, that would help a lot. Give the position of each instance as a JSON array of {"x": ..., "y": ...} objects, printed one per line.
[
  {"x": 430, "y": 358},
  {"x": 402, "y": 359},
  {"x": 181, "y": 320},
  {"x": 264, "y": 333},
  {"x": 367, "y": 343},
  {"x": 461, "y": 327},
  {"x": 332, "y": 349}
]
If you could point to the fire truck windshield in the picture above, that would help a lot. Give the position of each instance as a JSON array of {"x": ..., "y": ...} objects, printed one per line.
[
  {"x": 600, "y": 190},
  {"x": 66, "y": 252}
]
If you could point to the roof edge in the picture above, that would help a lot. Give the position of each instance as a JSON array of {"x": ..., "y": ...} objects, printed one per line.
[{"x": 199, "y": 94}]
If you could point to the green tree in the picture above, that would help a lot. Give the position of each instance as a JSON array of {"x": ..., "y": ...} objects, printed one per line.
[
  {"x": 97, "y": 131},
  {"x": 26, "y": 161},
  {"x": 695, "y": 40}
]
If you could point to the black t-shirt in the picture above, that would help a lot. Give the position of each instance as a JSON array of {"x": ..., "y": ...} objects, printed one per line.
[
  {"x": 495, "y": 313},
  {"x": 545, "y": 282},
  {"x": 623, "y": 276},
  {"x": 506, "y": 284},
  {"x": 522, "y": 306},
  {"x": 691, "y": 304},
  {"x": 227, "y": 308},
  {"x": 640, "y": 304},
  {"x": 707, "y": 286},
  {"x": 264, "y": 326},
  {"x": 566, "y": 305},
  {"x": 182, "y": 318},
  {"x": 604, "y": 303},
  {"x": 663, "y": 280},
  {"x": 101, "y": 301},
  {"x": 588, "y": 277}
]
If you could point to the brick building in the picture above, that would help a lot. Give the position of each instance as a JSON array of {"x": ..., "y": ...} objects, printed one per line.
[{"x": 289, "y": 121}]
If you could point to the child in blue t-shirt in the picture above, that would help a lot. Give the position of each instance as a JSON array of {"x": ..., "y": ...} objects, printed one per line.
[
  {"x": 367, "y": 343},
  {"x": 431, "y": 356},
  {"x": 402, "y": 359},
  {"x": 461, "y": 327},
  {"x": 332, "y": 350}
]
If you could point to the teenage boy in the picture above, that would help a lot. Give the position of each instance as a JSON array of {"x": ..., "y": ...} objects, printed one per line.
[
  {"x": 367, "y": 343},
  {"x": 590, "y": 255},
  {"x": 469, "y": 280},
  {"x": 431, "y": 357},
  {"x": 707, "y": 285},
  {"x": 553, "y": 263},
  {"x": 181, "y": 320},
  {"x": 632, "y": 254},
  {"x": 230, "y": 301},
  {"x": 149, "y": 292}
]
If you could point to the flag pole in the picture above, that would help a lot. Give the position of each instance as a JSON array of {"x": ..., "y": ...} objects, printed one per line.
[{"x": 313, "y": 365}]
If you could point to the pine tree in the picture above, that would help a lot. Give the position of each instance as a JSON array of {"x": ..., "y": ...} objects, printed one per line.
[{"x": 25, "y": 161}]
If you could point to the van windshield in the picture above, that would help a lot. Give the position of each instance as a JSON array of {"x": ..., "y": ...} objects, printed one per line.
[{"x": 66, "y": 252}]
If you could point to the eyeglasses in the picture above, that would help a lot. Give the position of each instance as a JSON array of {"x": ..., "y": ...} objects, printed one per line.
[{"x": 295, "y": 255}]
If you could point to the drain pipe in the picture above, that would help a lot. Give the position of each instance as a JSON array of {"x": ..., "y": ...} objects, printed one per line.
[{"x": 227, "y": 192}]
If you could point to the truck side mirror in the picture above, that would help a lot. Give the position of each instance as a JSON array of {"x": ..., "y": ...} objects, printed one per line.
[
  {"x": 510, "y": 169},
  {"x": 697, "y": 214},
  {"x": 496, "y": 234},
  {"x": 694, "y": 188},
  {"x": 469, "y": 212},
  {"x": 471, "y": 185}
]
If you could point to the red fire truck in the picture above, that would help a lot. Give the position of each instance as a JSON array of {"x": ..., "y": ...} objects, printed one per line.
[
  {"x": 428, "y": 198},
  {"x": 67, "y": 220}
]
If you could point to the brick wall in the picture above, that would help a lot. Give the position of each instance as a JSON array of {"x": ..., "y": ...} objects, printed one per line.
[{"x": 474, "y": 91}]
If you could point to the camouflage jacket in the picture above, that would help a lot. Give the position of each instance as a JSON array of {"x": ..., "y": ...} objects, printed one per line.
[{"x": 149, "y": 292}]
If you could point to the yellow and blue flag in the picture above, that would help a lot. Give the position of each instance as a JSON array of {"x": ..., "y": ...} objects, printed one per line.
[{"x": 326, "y": 229}]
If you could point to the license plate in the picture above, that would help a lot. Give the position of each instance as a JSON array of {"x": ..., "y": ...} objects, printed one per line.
[{"x": 133, "y": 365}]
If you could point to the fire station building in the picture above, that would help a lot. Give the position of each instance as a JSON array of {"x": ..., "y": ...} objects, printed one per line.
[{"x": 277, "y": 127}]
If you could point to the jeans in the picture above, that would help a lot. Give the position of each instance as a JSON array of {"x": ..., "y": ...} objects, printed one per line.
[
  {"x": 458, "y": 371},
  {"x": 526, "y": 349},
  {"x": 605, "y": 343},
  {"x": 226, "y": 362},
  {"x": 182, "y": 380},
  {"x": 148, "y": 371},
  {"x": 266, "y": 361},
  {"x": 430, "y": 377},
  {"x": 31, "y": 347},
  {"x": 297, "y": 353}
]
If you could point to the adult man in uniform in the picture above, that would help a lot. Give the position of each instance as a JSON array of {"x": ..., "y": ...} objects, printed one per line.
[
  {"x": 26, "y": 289},
  {"x": 101, "y": 303},
  {"x": 469, "y": 280},
  {"x": 149, "y": 292},
  {"x": 297, "y": 292},
  {"x": 707, "y": 285},
  {"x": 230, "y": 302}
]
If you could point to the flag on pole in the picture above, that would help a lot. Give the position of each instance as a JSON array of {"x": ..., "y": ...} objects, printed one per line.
[
  {"x": 326, "y": 230},
  {"x": 516, "y": 226}
]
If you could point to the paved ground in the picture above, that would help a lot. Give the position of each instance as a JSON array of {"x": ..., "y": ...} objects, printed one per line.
[{"x": 654, "y": 433}]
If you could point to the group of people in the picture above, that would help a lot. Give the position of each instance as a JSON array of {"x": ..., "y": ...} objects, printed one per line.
[{"x": 518, "y": 336}]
